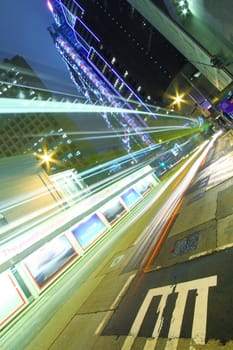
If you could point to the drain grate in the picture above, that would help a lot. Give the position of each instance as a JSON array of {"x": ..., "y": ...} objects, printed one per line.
[{"x": 186, "y": 244}]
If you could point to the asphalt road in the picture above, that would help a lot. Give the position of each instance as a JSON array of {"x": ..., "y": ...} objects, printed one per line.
[{"x": 189, "y": 300}]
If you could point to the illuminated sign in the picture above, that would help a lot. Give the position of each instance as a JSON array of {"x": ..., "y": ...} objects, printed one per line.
[
  {"x": 113, "y": 211},
  {"x": 130, "y": 197},
  {"x": 24, "y": 241},
  {"x": 226, "y": 105},
  {"x": 143, "y": 186},
  {"x": 12, "y": 299},
  {"x": 88, "y": 231},
  {"x": 49, "y": 260}
]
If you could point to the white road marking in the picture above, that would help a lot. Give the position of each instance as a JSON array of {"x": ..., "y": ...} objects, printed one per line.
[
  {"x": 200, "y": 311},
  {"x": 164, "y": 291},
  {"x": 150, "y": 344},
  {"x": 128, "y": 343},
  {"x": 202, "y": 286},
  {"x": 113, "y": 306}
]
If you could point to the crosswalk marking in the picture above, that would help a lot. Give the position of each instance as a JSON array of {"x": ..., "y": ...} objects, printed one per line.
[
  {"x": 150, "y": 344},
  {"x": 201, "y": 286},
  {"x": 200, "y": 311}
]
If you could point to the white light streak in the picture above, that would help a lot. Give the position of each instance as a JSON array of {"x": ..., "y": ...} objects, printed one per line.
[{"x": 24, "y": 106}]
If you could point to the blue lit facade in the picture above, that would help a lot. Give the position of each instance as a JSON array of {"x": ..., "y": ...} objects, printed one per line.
[{"x": 93, "y": 76}]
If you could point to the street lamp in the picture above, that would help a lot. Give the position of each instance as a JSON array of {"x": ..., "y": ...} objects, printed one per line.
[
  {"x": 46, "y": 158},
  {"x": 178, "y": 99}
]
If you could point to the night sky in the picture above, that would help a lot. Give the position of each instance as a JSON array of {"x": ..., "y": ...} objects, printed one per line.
[{"x": 23, "y": 27}]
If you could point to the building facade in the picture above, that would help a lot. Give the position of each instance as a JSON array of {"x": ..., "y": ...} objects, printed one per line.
[
  {"x": 133, "y": 47},
  {"x": 27, "y": 192},
  {"x": 40, "y": 132},
  {"x": 95, "y": 76},
  {"x": 82, "y": 33}
]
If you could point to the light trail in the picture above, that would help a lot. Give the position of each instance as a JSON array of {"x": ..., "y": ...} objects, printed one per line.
[
  {"x": 80, "y": 196},
  {"x": 102, "y": 168},
  {"x": 69, "y": 95},
  {"x": 25, "y": 198},
  {"x": 37, "y": 89},
  {"x": 19, "y": 106},
  {"x": 50, "y": 223},
  {"x": 119, "y": 160},
  {"x": 161, "y": 219},
  {"x": 35, "y": 218},
  {"x": 120, "y": 131},
  {"x": 25, "y": 106},
  {"x": 176, "y": 116},
  {"x": 48, "y": 212},
  {"x": 40, "y": 216},
  {"x": 111, "y": 135},
  {"x": 154, "y": 109},
  {"x": 30, "y": 196},
  {"x": 171, "y": 203}
]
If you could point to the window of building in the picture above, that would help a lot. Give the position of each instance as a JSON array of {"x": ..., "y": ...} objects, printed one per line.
[{"x": 113, "y": 60}]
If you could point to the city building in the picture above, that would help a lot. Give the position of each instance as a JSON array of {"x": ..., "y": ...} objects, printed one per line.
[
  {"x": 40, "y": 133},
  {"x": 133, "y": 47},
  {"x": 27, "y": 192},
  {"x": 98, "y": 65},
  {"x": 96, "y": 76}
]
